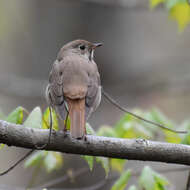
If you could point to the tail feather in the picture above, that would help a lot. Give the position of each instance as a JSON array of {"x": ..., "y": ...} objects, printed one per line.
[{"x": 77, "y": 117}]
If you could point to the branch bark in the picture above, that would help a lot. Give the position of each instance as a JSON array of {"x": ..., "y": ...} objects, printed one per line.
[{"x": 131, "y": 149}]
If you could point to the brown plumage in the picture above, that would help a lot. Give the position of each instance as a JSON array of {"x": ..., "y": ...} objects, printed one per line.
[
  {"x": 77, "y": 117},
  {"x": 74, "y": 85}
]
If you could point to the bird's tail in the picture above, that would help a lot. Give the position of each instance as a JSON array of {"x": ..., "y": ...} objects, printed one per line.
[{"x": 77, "y": 117}]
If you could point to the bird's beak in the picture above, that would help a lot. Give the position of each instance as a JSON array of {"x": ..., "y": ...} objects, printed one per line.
[{"x": 95, "y": 45}]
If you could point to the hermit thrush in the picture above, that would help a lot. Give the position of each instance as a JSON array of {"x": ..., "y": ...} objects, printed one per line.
[{"x": 74, "y": 85}]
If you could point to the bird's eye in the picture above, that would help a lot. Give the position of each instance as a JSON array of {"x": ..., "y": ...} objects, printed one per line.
[{"x": 82, "y": 47}]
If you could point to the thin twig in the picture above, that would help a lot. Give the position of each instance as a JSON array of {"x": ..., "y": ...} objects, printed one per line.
[
  {"x": 50, "y": 131},
  {"x": 112, "y": 101},
  {"x": 188, "y": 182},
  {"x": 37, "y": 147},
  {"x": 18, "y": 162}
]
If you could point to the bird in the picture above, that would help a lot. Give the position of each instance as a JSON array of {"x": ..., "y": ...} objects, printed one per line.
[{"x": 74, "y": 88}]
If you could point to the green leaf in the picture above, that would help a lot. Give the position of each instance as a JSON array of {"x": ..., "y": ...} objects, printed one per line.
[
  {"x": 160, "y": 180},
  {"x": 2, "y": 146},
  {"x": 34, "y": 120},
  {"x": 16, "y": 116},
  {"x": 130, "y": 131},
  {"x": 132, "y": 187},
  {"x": 121, "y": 183},
  {"x": 106, "y": 131},
  {"x": 117, "y": 164},
  {"x": 186, "y": 137},
  {"x": 171, "y": 3},
  {"x": 50, "y": 162},
  {"x": 89, "y": 160},
  {"x": 172, "y": 137},
  {"x": 146, "y": 179},
  {"x": 181, "y": 13},
  {"x": 151, "y": 180},
  {"x": 68, "y": 124},
  {"x": 53, "y": 161},
  {"x": 124, "y": 128},
  {"x": 151, "y": 128},
  {"x": 161, "y": 118},
  {"x": 105, "y": 164},
  {"x": 46, "y": 120},
  {"x": 119, "y": 127},
  {"x": 136, "y": 130},
  {"x": 89, "y": 129},
  {"x": 131, "y": 127},
  {"x": 155, "y": 3},
  {"x": 59, "y": 158},
  {"x": 35, "y": 159}
]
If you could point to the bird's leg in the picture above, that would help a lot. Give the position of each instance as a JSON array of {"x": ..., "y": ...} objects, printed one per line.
[
  {"x": 66, "y": 119},
  {"x": 85, "y": 133},
  {"x": 65, "y": 123}
]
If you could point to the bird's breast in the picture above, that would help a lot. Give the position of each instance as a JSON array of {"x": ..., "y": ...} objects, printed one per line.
[{"x": 75, "y": 80}]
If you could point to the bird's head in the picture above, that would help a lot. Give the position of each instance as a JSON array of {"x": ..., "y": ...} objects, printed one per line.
[{"x": 80, "y": 47}]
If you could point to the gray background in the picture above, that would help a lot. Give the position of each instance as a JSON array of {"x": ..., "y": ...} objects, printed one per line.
[{"x": 144, "y": 63}]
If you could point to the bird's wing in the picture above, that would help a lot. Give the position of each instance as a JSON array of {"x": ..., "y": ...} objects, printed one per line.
[
  {"x": 93, "y": 97},
  {"x": 54, "y": 90}
]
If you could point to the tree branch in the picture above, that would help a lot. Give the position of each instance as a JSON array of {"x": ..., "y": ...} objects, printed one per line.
[{"x": 131, "y": 149}]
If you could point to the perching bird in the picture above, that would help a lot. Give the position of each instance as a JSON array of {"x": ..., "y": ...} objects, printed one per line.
[{"x": 74, "y": 87}]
